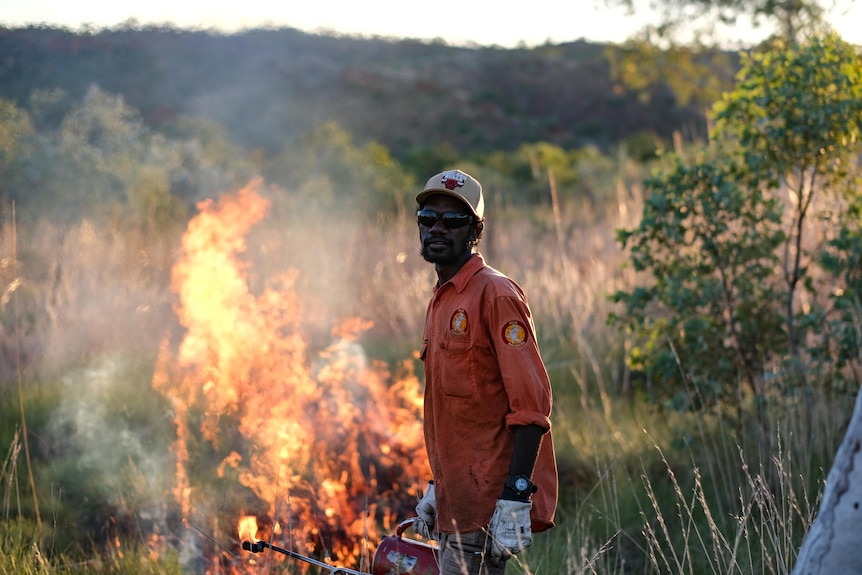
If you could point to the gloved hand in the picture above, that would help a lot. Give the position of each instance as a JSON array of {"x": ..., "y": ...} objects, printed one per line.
[
  {"x": 426, "y": 511},
  {"x": 509, "y": 528}
]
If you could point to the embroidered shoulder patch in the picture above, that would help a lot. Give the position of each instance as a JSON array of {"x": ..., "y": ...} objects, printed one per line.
[
  {"x": 458, "y": 323},
  {"x": 514, "y": 334}
]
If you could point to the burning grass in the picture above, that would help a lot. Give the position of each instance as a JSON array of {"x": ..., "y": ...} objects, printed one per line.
[{"x": 329, "y": 449}]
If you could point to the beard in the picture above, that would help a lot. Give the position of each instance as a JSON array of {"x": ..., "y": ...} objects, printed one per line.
[{"x": 451, "y": 255}]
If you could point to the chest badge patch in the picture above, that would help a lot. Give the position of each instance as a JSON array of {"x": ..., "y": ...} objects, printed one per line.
[
  {"x": 514, "y": 334},
  {"x": 458, "y": 323}
]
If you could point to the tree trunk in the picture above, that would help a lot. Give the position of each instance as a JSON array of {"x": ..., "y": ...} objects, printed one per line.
[{"x": 833, "y": 545}]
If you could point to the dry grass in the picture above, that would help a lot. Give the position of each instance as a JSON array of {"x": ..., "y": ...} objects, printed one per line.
[{"x": 643, "y": 491}]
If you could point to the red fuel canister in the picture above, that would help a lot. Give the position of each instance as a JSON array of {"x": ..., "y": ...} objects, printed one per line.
[{"x": 398, "y": 556}]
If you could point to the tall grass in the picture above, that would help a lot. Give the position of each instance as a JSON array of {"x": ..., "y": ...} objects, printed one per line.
[
  {"x": 676, "y": 495},
  {"x": 643, "y": 490}
]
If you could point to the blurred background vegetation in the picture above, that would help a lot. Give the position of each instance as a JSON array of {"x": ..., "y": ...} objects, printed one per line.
[{"x": 683, "y": 217}]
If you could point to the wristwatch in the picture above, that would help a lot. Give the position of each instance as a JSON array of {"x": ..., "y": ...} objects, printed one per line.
[{"x": 521, "y": 485}]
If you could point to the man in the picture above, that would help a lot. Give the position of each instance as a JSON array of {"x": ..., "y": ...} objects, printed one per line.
[{"x": 487, "y": 395}]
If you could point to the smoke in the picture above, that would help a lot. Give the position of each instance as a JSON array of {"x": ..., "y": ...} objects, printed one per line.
[{"x": 109, "y": 441}]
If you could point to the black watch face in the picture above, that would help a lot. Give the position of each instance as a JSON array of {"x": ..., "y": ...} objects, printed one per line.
[{"x": 521, "y": 484}]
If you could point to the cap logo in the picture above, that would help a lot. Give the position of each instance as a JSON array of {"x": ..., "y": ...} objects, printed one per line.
[{"x": 453, "y": 180}]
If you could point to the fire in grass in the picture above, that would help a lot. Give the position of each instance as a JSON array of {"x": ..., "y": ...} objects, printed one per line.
[{"x": 317, "y": 451}]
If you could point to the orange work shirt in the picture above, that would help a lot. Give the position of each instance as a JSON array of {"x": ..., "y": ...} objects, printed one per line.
[{"x": 483, "y": 376}]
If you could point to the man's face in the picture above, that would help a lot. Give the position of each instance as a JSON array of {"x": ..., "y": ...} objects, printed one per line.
[{"x": 441, "y": 245}]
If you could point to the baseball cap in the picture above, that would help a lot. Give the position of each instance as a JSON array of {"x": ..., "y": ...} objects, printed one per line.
[{"x": 457, "y": 184}]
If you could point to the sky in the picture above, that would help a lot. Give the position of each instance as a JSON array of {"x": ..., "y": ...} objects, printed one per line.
[{"x": 459, "y": 22}]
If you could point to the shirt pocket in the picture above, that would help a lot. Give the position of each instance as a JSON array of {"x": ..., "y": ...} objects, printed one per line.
[{"x": 457, "y": 369}]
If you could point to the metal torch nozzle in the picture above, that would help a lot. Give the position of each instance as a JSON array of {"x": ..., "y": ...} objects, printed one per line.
[{"x": 256, "y": 547}]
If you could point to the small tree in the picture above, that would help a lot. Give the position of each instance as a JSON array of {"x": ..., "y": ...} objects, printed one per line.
[
  {"x": 796, "y": 114},
  {"x": 709, "y": 246},
  {"x": 719, "y": 304}
]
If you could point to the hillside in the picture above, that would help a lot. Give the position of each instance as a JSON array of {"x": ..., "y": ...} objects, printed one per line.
[{"x": 270, "y": 86}]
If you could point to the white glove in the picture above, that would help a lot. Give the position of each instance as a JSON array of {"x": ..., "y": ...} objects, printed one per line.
[
  {"x": 510, "y": 528},
  {"x": 426, "y": 511}
]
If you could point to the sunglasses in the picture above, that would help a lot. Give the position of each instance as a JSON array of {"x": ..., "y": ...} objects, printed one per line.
[{"x": 451, "y": 220}]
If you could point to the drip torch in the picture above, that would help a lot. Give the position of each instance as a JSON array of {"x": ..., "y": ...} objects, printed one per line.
[{"x": 394, "y": 556}]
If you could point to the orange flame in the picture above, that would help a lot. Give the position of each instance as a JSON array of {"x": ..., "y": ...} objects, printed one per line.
[
  {"x": 247, "y": 528},
  {"x": 329, "y": 442}
]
